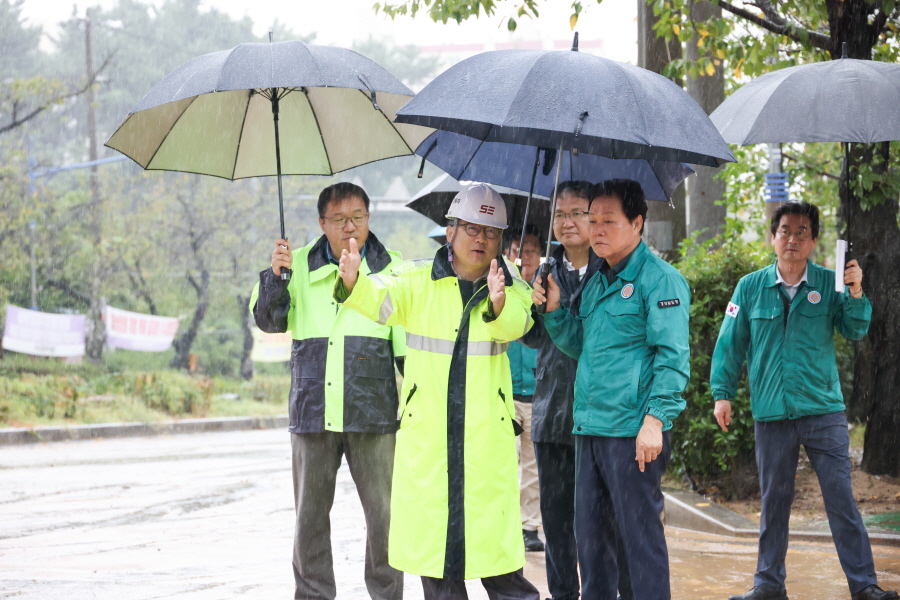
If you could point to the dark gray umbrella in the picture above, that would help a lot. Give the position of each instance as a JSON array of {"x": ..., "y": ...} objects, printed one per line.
[
  {"x": 568, "y": 102},
  {"x": 269, "y": 109},
  {"x": 588, "y": 104},
  {"x": 844, "y": 100}
]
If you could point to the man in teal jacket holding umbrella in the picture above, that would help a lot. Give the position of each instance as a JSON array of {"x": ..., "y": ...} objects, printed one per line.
[
  {"x": 631, "y": 341},
  {"x": 782, "y": 319}
]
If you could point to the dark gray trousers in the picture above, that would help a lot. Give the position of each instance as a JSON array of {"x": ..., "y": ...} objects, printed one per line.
[
  {"x": 316, "y": 459},
  {"x": 511, "y": 586},
  {"x": 827, "y": 445}
]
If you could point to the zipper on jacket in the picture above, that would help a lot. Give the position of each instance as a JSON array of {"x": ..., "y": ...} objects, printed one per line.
[{"x": 406, "y": 404}]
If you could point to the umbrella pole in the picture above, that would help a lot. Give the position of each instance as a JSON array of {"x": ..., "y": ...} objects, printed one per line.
[
  {"x": 537, "y": 157},
  {"x": 285, "y": 273},
  {"x": 545, "y": 268}
]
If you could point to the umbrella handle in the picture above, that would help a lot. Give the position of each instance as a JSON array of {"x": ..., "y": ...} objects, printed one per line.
[{"x": 545, "y": 271}]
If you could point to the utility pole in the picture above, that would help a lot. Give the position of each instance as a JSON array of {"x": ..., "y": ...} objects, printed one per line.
[
  {"x": 96, "y": 329},
  {"x": 666, "y": 223},
  {"x": 705, "y": 189}
]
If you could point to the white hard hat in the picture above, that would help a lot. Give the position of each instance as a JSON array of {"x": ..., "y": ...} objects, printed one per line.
[{"x": 479, "y": 204}]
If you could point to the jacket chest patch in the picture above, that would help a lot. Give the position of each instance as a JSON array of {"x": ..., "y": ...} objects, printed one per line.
[
  {"x": 814, "y": 297},
  {"x": 628, "y": 291}
]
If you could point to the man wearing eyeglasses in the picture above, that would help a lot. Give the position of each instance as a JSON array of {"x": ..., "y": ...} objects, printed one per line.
[
  {"x": 781, "y": 319},
  {"x": 455, "y": 504},
  {"x": 343, "y": 399}
]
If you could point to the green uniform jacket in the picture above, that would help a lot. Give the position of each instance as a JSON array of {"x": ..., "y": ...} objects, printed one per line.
[
  {"x": 522, "y": 363},
  {"x": 789, "y": 345},
  {"x": 455, "y": 492},
  {"x": 631, "y": 342},
  {"x": 342, "y": 364}
]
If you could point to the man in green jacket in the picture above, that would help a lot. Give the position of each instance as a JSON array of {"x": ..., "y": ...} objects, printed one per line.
[
  {"x": 781, "y": 319},
  {"x": 343, "y": 399},
  {"x": 630, "y": 338}
]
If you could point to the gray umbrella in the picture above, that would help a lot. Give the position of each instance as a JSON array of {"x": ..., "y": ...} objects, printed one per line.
[
  {"x": 269, "y": 109},
  {"x": 844, "y": 100}
]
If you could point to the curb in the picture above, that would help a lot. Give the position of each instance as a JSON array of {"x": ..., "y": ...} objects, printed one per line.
[
  {"x": 18, "y": 436},
  {"x": 687, "y": 510}
]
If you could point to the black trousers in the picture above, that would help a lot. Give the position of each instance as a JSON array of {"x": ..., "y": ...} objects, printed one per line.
[
  {"x": 511, "y": 586},
  {"x": 556, "y": 477}
]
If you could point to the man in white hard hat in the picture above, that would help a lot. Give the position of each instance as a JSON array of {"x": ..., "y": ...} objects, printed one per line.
[{"x": 455, "y": 499}]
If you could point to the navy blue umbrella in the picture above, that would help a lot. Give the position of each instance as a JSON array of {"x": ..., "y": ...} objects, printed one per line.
[{"x": 511, "y": 165}]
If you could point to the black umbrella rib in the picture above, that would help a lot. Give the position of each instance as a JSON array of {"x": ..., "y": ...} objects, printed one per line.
[
  {"x": 165, "y": 137},
  {"x": 312, "y": 109},
  {"x": 480, "y": 144},
  {"x": 237, "y": 150}
]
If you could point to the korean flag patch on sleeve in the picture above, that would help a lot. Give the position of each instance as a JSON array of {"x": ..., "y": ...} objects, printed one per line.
[{"x": 732, "y": 310}]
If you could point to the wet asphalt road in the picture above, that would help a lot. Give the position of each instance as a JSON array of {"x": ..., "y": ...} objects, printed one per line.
[{"x": 210, "y": 516}]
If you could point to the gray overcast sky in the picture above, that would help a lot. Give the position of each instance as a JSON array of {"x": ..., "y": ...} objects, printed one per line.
[{"x": 340, "y": 22}]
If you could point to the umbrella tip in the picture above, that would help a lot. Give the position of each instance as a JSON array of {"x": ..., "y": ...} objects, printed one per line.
[
  {"x": 271, "y": 36},
  {"x": 843, "y": 49},
  {"x": 575, "y": 43}
]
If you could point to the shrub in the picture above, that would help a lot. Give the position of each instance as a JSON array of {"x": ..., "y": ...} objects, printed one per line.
[
  {"x": 709, "y": 457},
  {"x": 171, "y": 392}
]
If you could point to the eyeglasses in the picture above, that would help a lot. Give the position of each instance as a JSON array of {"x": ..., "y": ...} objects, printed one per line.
[
  {"x": 358, "y": 220},
  {"x": 802, "y": 236},
  {"x": 575, "y": 215},
  {"x": 491, "y": 233}
]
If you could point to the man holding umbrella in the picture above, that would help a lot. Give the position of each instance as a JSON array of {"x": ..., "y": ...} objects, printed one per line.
[
  {"x": 782, "y": 320},
  {"x": 455, "y": 503},
  {"x": 630, "y": 337},
  {"x": 572, "y": 264},
  {"x": 343, "y": 399}
]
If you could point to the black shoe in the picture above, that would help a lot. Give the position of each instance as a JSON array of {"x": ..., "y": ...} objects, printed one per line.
[
  {"x": 873, "y": 592},
  {"x": 760, "y": 594},
  {"x": 532, "y": 542}
]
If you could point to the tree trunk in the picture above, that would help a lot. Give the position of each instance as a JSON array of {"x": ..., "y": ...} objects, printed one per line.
[
  {"x": 185, "y": 341},
  {"x": 96, "y": 330},
  {"x": 246, "y": 326},
  {"x": 666, "y": 224},
  {"x": 876, "y": 390},
  {"x": 876, "y": 245},
  {"x": 705, "y": 213}
]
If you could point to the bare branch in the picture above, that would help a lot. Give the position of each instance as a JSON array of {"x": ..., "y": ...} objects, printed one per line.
[
  {"x": 67, "y": 290},
  {"x": 814, "y": 168},
  {"x": 770, "y": 11},
  {"x": 798, "y": 34},
  {"x": 18, "y": 121}
]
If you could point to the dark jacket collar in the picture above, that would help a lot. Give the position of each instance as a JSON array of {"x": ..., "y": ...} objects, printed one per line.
[
  {"x": 377, "y": 256},
  {"x": 441, "y": 267},
  {"x": 594, "y": 261}
]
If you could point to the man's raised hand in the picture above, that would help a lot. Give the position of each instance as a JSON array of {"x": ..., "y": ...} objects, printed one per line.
[
  {"x": 496, "y": 282},
  {"x": 349, "y": 266},
  {"x": 551, "y": 296},
  {"x": 853, "y": 276}
]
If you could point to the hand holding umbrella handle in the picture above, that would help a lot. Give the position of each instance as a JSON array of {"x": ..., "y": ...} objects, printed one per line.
[
  {"x": 282, "y": 259},
  {"x": 548, "y": 297}
]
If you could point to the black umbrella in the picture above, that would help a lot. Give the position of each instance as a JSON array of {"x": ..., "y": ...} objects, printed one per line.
[
  {"x": 567, "y": 102},
  {"x": 845, "y": 100},
  {"x": 269, "y": 109}
]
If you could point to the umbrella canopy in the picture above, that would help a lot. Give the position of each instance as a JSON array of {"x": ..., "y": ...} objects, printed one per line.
[
  {"x": 214, "y": 114},
  {"x": 433, "y": 201},
  {"x": 468, "y": 159},
  {"x": 844, "y": 100},
  {"x": 585, "y": 103}
]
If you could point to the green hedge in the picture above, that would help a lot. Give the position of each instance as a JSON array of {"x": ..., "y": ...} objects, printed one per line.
[{"x": 709, "y": 457}]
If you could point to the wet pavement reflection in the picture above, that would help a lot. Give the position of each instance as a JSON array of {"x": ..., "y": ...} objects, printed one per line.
[{"x": 210, "y": 516}]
